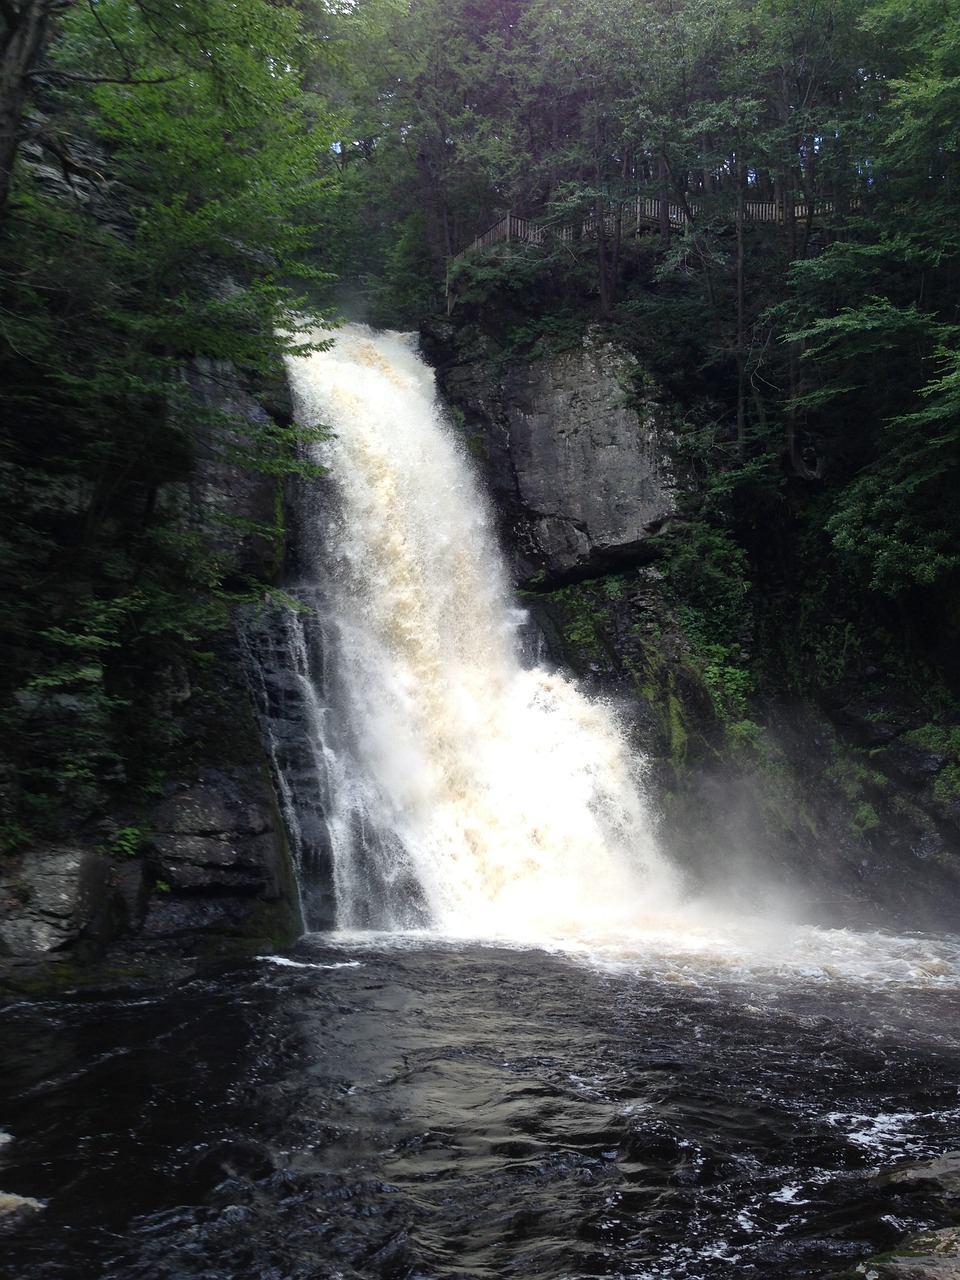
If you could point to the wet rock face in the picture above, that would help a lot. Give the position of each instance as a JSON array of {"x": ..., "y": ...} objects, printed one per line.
[
  {"x": 934, "y": 1182},
  {"x": 209, "y": 841},
  {"x": 931, "y": 1255},
  {"x": 14, "y": 1208},
  {"x": 54, "y": 898},
  {"x": 579, "y": 464},
  {"x": 220, "y": 867},
  {"x": 208, "y": 872}
]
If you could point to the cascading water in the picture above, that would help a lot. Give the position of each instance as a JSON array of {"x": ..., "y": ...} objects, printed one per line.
[
  {"x": 472, "y": 795},
  {"x": 436, "y": 782}
]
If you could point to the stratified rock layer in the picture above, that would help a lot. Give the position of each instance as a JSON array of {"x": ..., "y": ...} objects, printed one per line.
[{"x": 53, "y": 897}]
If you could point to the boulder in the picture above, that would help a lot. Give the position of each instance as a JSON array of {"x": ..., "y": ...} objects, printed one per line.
[
  {"x": 55, "y": 896},
  {"x": 930, "y": 1255},
  {"x": 927, "y": 1255},
  {"x": 937, "y": 1180},
  {"x": 13, "y": 1208}
]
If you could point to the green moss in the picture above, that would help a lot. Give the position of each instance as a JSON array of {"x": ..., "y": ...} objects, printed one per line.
[
  {"x": 677, "y": 737},
  {"x": 853, "y": 779},
  {"x": 944, "y": 739},
  {"x": 56, "y": 976},
  {"x": 582, "y": 625},
  {"x": 946, "y": 788},
  {"x": 865, "y": 819},
  {"x": 746, "y": 733}
]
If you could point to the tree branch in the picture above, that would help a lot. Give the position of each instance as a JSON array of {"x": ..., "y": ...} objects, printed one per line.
[
  {"x": 73, "y": 79},
  {"x": 68, "y": 164},
  {"x": 92, "y": 6}
]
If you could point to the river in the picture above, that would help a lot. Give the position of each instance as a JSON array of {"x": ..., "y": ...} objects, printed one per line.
[{"x": 411, "y": 1108}]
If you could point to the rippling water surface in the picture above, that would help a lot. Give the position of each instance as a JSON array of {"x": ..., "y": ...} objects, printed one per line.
[{"x": 407, "y": 1108}]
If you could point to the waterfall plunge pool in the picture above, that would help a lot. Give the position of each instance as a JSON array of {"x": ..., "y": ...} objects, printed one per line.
[{"x": 414, "y": 1109}]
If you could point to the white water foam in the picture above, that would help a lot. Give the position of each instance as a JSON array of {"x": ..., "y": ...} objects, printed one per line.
[
  {"x": 506, "y": 795},
  {"x": 513, "y": 797},
  {"x": 284, "y": 962}
]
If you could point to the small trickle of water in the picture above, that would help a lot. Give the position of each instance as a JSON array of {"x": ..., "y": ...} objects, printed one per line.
[{"x": 504, "y": 795}]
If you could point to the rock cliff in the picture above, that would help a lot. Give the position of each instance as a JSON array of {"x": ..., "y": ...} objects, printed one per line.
[
  {"x": 580, "y": 461},
  {"x": 837, "y": 800},
  {"x": 203, "y": 871}
]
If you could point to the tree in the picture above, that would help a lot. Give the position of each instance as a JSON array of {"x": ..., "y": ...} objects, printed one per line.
[
  {"x": 878, "y": 314},
  {"x": 197, "y": 164},
  {"x": 27, "y": 29}
]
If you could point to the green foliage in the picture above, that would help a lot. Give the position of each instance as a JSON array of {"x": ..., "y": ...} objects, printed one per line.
[
  {"x": 710, "y": 573},
  {"x": 865, "y": 820},
  {"x": 747, "y": 733},
  {"x": 729, "y": 682},
  {"x": 898, "y": 518},
  {"x": 127, "y": 842},
  {"x": 941, "y": 738},
  {"x": 407, "y": 292},
  {"x": 707, "y": 574},
  {"x": 546, "y": 334},
  {"x": 583, "y": 621},
  {"x": 195, "y": 163},
  {"x": 481, "y": 278},
  {"x": 946, "y": 788},
  {"x": 944, "y": 740},
  {"x": 857, "y": 781},
  {"x": 814, "y": 362}
]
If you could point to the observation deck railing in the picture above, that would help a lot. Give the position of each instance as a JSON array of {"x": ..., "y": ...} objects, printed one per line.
[{"x": 641, "y": 212}]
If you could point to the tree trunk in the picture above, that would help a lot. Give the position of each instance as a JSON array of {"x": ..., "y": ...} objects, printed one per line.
[
  {"x": 664, "y": 177},
  {"x": 24, "y": 39},
  {"x": 797, "y": 463},
  {"x": 608, "y": 256},
  {"x": 741, "y": 312}
]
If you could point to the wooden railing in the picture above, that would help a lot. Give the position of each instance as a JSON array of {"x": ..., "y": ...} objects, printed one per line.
[{"x": 642, "y": 212}]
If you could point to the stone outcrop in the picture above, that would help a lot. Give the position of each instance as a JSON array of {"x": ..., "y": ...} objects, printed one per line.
[
  {"x": 934, "y": 1182},
  {"x": 924, "y": 1256},
  {"x": 579, "y": 460},
  {"x": 220, "y": 868},
  {"x": 210, "y": 876},
  {"x": 928, "y": 1255},
  {"x": 205, "y": 841},
  {"x": 55, "y": 897}
]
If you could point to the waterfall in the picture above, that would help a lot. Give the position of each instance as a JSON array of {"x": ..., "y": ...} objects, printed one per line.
[
  {"x": 433, "y": 781},
  {"x": 463, "y": 792}
]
